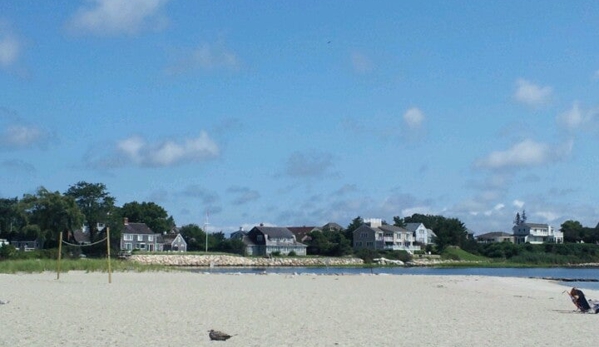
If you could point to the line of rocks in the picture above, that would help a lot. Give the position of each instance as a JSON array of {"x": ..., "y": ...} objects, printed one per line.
[{"x": 230, "y": 260}]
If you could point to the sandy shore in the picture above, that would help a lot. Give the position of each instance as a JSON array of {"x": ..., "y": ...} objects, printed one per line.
[{"x": 177, "y": 309}]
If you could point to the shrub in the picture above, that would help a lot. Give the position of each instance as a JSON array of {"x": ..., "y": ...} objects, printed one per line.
[
  {"x": 292, "y": 254},
  {"x": 275, "y": 253}
]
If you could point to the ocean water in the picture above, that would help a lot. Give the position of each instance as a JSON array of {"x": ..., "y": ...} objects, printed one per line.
[{"x": 559, "y": 272}]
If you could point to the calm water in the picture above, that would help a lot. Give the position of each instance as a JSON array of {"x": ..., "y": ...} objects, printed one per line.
[{"x": 578, "y": 273}]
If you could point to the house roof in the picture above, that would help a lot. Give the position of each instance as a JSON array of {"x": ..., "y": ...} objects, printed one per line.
[
  {"x": 413, "y": 226},
  {"x": 276, "y": 232},
  {"x": 536, "y": 225},
  {"x": 301, "y": 232},
  {"x": 332, "y": 226},
  {"x": 391, "y": 228},
  {"x": 80, "y": 236},
  {"x": 493, "y": 235},
  {"x": 137, "y": 228}
]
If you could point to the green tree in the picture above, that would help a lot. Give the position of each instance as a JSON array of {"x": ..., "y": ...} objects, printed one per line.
[
  {"x": 194, "y": 236},
  {"x": 10, "y": 219},
  {"x": 355, "y": 224},
  {"x": 153, "y": 215},
  {"x": 95, "y": 203},
  {"x": 449, "y": 231},
  {"x": 573, "y": 231},
  {"x": 51, "y": 213},
  {"x": 399, "y": 222}
]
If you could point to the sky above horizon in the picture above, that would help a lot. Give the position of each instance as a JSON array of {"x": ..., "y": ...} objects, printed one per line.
[{"x": 304, "y": 113}]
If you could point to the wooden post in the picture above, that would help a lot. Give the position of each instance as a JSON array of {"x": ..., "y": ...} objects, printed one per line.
[
  {"x": 108, "y": 252},
  {"x": 59, "y": 255}
]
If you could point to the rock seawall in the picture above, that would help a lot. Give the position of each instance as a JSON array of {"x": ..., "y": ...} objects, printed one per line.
[{"x": 230, "y": 260}]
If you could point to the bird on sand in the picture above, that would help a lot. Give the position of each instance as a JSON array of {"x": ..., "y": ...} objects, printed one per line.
[{"x": 218, "y": 335}]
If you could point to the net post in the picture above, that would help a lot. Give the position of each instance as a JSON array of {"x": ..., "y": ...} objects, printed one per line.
[
  {"x": 108, "y": 253},
  {"x": 59, "y": 255}
]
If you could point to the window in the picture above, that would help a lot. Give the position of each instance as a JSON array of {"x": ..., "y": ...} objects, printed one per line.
[
  {"x": 369, "y": 244},
  {"x": 142, "y": 246},
  {"x": 363, "y": 235},
  {"x": 128, "y": 246},
  {"x": 128, "y": 237},
  {"x": 140, "y": 237},
  {"x": 151, "y": 238},
  {"x": 359, "y": 244}
]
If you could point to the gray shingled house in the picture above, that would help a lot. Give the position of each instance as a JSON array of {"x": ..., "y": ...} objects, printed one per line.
[
  {"x": 263, "y": 240},
  {"x": 139, "y": 236}
]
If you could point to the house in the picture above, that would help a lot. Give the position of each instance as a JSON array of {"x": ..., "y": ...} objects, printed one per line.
[
  {"x": 173, "y": 242},
  {"x": 139, "y": 236},
  {"x": 302, "y": 234},
  {"x": 332, "y": 227},
  {"x": 263, "y": 240},
  {"x": 239, "y": 234},
  {"x": 422, "y": 234},
  {"x": 376, "y": 236},
  {"x": 27, "y": 244},
  {"x": 496, "y": 236},
  {"x": 535, "y": 233}
]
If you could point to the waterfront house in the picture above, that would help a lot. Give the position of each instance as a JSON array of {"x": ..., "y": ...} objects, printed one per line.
[
  {"x": 536, "y": 233},
  {"x": 422, "y": 235},
  {"x": 302, "y": 234},
  {"x": 496, "y": 236},
  {"x": 376, "y": 236},
  {"x": 27, "y": 244},
  {"x": 139, "y": 236},
  {"x": 173, "y": 242},
  {"x": 264, "y": 241}
]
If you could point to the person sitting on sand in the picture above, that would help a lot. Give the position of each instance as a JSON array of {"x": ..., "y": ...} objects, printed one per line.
[{"x": 579, "y": 299}]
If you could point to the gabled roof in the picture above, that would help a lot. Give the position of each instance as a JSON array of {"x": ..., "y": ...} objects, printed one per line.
[
  {"x": 301, "y": 232},
  {"x": 413, "y": 226},
  {"x": 392, "y": 228},
  {"x": 80, "y": 236},
  {"x": 332, "y": 226},
  {"x": 275, "y": 232},
  {"x": 137, "y": 228}
]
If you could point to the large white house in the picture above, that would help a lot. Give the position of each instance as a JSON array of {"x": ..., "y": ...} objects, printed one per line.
[
  {"x": 421, "y": 233},
  {"x": 374, "y": 235},
  {"x": 535, "y": 233}
]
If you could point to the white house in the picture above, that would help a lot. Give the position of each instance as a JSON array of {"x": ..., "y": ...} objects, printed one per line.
[
  {"x": 421, "y": 233},
  {"x": 536, "y": 233}
]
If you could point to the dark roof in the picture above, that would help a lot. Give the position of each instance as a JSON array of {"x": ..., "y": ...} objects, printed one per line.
[
  {"x": 493, "y": 235},
  {"x": 301, "y": 232},
  {"x": 391, "y": 228},
  {"x": 275, "y": 232},
  {"x": 413, "y": 226},
  {"x": 137, "y": 228},
  {"x": 332, "y": 226}
]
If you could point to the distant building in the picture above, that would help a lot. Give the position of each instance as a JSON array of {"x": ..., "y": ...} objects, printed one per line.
[
  {"x": 496, "y": 236},
  {"x": 263, "y": 240},
  {"x": 421, "y": 233},
  {"x": 139, "y": 236},
  {"x": 376, "y": 236},
  {"x": 536, "y": 234}
]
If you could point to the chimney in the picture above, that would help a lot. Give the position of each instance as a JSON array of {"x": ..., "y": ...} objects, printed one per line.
[{"x": 126, "y": 221}]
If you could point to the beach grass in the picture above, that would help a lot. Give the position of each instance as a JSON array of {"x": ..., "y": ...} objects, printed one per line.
[{"x": 87, "y": 265}]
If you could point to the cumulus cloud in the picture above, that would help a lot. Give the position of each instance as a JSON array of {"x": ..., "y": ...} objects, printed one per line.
[
  {"x": 413, "y": 118},
  {"x": 206, "y": 57},
  {"x": 518, "y": 203},
  {"x": 361, "y": 64},
  {"x": 243, "y": 195},
  {"x": 15, "y": 133},
  {"x": 10, "y": 46},
  {"x": 573, "y": 118},
  {"x": 311, "y": 164},
  {"x": 168, "y": 153},
  {"x": 113, "y": 17},
  {"x": 531, "y": 94},
  {"x": 137, "y": 151},
  {"x": 526, "y": 153}
]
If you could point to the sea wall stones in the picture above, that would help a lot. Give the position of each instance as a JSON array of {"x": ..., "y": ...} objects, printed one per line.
[{"x": 230, "y": 260}]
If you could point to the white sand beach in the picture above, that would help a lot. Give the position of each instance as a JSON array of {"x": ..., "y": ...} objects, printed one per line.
[{"x": 178, "y": 309}]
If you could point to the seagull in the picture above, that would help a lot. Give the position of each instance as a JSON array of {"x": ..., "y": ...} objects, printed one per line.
[
  {"x": 218, "y": 335},
  {"x": 4, "y": 302}
]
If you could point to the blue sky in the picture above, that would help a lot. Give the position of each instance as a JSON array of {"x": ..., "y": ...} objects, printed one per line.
[{"x": 303, "y": 113}]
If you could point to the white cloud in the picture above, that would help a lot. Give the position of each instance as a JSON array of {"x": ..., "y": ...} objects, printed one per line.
[
  {"x": 413, "y": 117},
  {"x": 518, "y": 203},
  {"x": 138, "y": 151},
  {"x": 10, "y": 46},
  {"x": 112, "y": 17},
  {"x": 22, "y": 136},
  {"x": 548, "y": 215},
  {"x": 525, "y": 154},
  {"x": 531, "y": 94},
  {"x": 361, "y": 63},
  {"x": 416, "y": 209},
  {"x": 207, "y": 57},
  {"x": 573, "y": 118}
]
